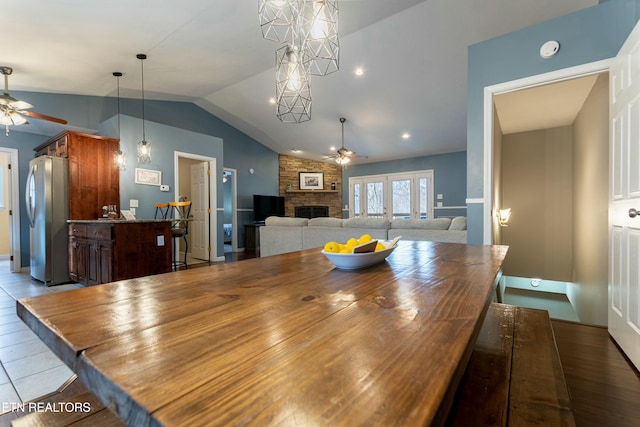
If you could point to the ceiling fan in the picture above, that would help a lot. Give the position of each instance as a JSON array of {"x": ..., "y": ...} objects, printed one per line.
[
  {"x": 13, "y": 110},
  {"x": 344, "y": 156}
]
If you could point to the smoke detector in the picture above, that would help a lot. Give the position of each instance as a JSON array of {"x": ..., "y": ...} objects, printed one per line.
[{"x": 549, "y": 49}]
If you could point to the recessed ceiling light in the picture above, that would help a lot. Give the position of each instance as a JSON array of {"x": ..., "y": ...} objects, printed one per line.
[
  {"x": 406, "y": 135},
  {"x": 295, "y": 150},
  {"x": 332, "y": 148},
  {"x": 359, "y": 71},
  {"x": 272, "y": 101}
]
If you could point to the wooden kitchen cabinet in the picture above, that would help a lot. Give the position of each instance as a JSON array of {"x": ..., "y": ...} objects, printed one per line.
[
  {"x": 94, "y": 179},
  {"x": 106, "y": 251}
]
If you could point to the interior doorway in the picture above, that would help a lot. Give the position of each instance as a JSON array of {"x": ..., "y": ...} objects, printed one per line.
[
  {"x": 184, "y": 164},
  {"x": 586, "y": 297},
  {"x": 230, "y": 194},
  {"x": 9, "y": 210}
]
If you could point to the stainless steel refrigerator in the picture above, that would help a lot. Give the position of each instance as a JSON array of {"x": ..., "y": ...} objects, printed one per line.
[{"x": 47, "y": 199}]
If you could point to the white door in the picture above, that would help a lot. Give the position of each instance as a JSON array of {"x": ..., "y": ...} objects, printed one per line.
[
  {"x": 199, "y": 226},
  {"x": 624, "y": 224}
]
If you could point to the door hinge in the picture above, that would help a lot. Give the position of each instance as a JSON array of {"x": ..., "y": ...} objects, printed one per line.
[
  {"x": 10, "y": 257},
  {"x": 9, "y": 166},
  {"x": 209, "y": 249},
  {"x": 208, "y": 171},
  {"x": 10, "y": 212},
  {"x": 208, "y": 210}
]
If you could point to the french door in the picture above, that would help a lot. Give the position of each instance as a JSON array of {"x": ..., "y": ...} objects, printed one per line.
[{"x": 393, "y": 196}]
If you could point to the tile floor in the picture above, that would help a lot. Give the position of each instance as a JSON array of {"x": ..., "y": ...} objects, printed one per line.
[{"x": 28, "y": 369}]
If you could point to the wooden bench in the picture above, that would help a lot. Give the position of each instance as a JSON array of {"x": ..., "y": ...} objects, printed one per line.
[
  {"x": 62, "y": 410},
  {"x": 514, "y": 376}
]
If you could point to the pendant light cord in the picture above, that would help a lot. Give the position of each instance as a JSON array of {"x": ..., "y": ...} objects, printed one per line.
[
  {"x": 142, "y": 57},
  {"x": 118, "y": 92}
]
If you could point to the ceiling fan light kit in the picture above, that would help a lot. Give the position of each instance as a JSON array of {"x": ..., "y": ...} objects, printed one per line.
[
  {"x": 343, "y": 156},
  {"x": 12, "y": 110},
  {"x": 309, "y": 31}
]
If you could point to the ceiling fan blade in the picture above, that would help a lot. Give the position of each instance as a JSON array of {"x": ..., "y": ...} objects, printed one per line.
[
  {"x": 11, "y": 102},
  {"x": 19, "y": 105},
  {"x": 43, "y": 117}
]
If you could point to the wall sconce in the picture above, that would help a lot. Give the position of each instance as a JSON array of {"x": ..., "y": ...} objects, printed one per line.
[{"x": 503, "y": 217}]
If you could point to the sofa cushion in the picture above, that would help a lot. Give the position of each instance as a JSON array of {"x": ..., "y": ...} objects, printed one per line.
[
  {"x": 325, "y": 222},
  {"x": 458, "y": 223},
  {"x": 366, "y": 223},
  {"x": 286, "y": 221},
  {"x": 422, "y": 224}
]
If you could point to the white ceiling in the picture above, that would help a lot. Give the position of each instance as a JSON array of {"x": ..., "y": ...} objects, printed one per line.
[
  {"x": 543, "y": 107},
  {"x": 211, "y": 52}
]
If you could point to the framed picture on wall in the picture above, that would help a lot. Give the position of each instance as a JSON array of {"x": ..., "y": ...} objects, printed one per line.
[
  {"x": 148, "y": 177},
  {"x": 311, "y": 181}
]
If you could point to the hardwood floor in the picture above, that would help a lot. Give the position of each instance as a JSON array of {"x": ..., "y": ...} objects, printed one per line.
[{"x": 604, "y": 385}]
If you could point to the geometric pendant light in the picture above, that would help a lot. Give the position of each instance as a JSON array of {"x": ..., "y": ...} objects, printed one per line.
[
  {"x": 320, "y": 27},
  {"x": 144, "y": 146},
  {"x": 308, "y": 32},
  {"x": 293, "y": 91}
]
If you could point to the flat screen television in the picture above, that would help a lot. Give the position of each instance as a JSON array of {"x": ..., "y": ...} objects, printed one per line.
[{"x": 266, "y": 206}]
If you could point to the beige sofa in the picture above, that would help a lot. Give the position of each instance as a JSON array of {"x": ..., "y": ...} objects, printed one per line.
[{"x": 285, "y": 234}]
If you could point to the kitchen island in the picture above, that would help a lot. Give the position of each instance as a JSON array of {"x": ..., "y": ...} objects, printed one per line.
[
  {"x": 280, "y": 340},
  {"x": 103, "y": 251}
]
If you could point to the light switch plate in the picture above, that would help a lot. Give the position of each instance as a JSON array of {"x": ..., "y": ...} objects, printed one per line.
[
  {"x": 133, "y": 203},
  {"x": 160, "y": 240},
  {"x": 164, "y": 188}
]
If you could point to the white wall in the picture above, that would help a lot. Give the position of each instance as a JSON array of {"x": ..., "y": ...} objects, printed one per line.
[
  {"x": 536, "y": 185},
  {"x": 588, "y": 290}
]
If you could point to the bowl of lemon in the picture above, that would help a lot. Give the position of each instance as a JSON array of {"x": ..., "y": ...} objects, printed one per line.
[{"x": 358, "y": 253}]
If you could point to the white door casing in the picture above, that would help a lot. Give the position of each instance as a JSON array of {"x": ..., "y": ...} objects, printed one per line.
[
  {"x": 199, "y": 226},
  {"x": 14, "y": 206},
  {"x": 624, "y": 196}
]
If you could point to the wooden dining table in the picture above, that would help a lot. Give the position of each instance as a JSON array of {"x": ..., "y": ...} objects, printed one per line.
[{"x": 280, "y": 340}]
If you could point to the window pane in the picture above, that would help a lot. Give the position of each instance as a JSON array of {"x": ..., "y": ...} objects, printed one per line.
[
  {"x": 375, "y": 199},
  {"x": 356, "y": 201},
  {"x": 401, "y": 198},
  {"x": 424, "y": 193}
]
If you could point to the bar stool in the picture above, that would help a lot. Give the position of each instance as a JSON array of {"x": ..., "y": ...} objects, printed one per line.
[
  {"x": 180, "y": 212},
  {"x": 162, "y": 209}
]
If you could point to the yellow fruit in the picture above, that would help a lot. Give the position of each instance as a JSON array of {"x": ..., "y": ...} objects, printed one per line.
[
  {"x": 345, "y": 250},
  {"x": 351, "y": 243},
  {"x": 331, "y": 247},
  {"x": 341, "y": 246},
  {"x": 380, "y": 247},
  {"x": 365, "y": 238}
]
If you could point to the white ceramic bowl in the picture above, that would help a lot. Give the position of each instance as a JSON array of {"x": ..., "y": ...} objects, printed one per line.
[{"x": 354, "y": 261}]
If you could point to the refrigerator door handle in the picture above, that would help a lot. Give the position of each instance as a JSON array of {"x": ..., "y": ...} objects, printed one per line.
[{"x": 29, "y": 195}]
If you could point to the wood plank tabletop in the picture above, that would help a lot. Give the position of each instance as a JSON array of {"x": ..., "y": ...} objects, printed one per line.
[{"x": 287, "y": 339}]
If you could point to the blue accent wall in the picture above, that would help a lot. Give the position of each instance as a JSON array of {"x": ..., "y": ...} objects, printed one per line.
[
  {"x": 169, "y": 126},
  {"x": 586, "y": 36},
  {"x": 449, "y": 176}
]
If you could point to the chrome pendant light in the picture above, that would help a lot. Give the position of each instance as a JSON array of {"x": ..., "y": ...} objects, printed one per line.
[
  {"x": 119, "y": 158},
  {"x": 143, "y": 147}
]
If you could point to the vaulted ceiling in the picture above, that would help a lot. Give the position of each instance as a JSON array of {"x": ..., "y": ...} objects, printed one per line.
[{"x": 212, "y": 53}]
